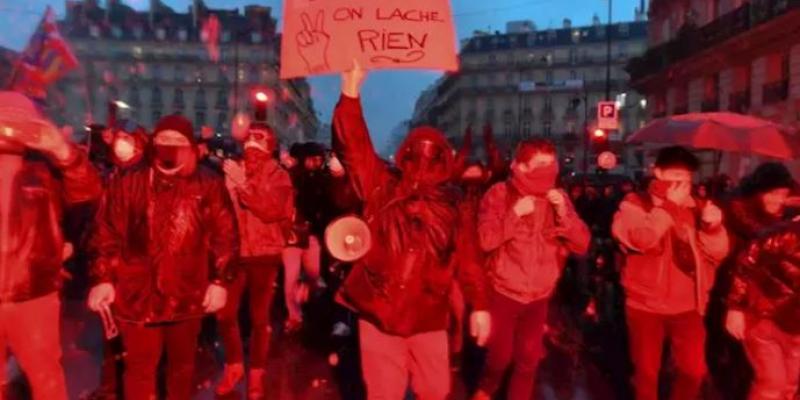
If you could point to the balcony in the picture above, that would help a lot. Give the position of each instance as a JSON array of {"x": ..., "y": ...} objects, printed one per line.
[
  {"x": 692, "y": 39},
  {"x": 739, "y": 102},
  {"x": 710, "y": 105},
  {"x": 775, "y": 92}
]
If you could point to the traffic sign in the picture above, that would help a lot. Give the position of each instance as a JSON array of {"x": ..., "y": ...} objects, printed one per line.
[
  {"x": 607, "y": 115},
  {"x": 607, "y": 160}
]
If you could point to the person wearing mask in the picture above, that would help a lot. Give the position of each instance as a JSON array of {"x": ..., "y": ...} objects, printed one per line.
[
  {"x": 32, "y": 200},
  {"x": 262, "y": 197},
  {"x": 128, "y": 145},
  {"x": 156, "y": 231},
  {"x": 528, "y": 227},
  {"x": 759, "y": 204},
  {"x": 421, "y": 244},
  {"x": 672, "y": 249}
]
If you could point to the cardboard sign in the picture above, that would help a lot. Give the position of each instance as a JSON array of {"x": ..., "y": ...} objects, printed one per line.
[
  {"x": 607, "y": 116},
  {"x": 322, "y": 37}
]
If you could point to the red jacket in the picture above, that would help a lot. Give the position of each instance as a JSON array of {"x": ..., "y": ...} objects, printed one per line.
[
  {"x": 404, "y": 292},
  {"x": 646, "y": 227},
  {"x": 31, "y": 266},
  {"x": 261, "y": 225},
  {"x": 161, "y": 243},
  {"x": 527, "y": 254}
]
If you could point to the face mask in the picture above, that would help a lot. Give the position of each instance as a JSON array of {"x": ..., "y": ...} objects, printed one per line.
[
  {"x": 124, "y": 150},
  {"x": 174, "y": 160}
]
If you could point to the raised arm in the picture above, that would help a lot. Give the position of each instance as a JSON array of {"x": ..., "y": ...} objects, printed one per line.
[{"x": 351, "y": 136}]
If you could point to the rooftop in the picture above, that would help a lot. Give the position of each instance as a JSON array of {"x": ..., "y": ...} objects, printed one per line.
[
  {"x": 87, "y": 19},
  {"x": 555, "y": 37}
]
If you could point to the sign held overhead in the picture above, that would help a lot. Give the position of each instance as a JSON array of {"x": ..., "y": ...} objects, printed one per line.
[{"x": 323, "y": 37}]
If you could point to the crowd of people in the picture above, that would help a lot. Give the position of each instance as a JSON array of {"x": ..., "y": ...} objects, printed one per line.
[{"x": 535, "y": 270}]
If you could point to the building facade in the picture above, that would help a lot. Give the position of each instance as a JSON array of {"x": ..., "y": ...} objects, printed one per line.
[
  {"x": 157, "y": 63},
  {"x": 731, "y": 55},
  {"x": 546, "y": 83}
]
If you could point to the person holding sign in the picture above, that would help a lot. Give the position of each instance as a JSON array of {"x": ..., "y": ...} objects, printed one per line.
[{"x": 423, "y": 243}]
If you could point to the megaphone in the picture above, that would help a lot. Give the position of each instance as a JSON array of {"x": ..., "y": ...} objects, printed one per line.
[{"x": 348, "y": 238}]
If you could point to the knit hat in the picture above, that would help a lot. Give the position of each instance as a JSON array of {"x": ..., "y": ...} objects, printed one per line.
[
  {"x": 176, "y": 123},
  {"x": 767, "y": 177}
]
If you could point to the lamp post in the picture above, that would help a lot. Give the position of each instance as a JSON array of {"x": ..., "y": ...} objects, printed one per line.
[{"x": 608, "y": 52}]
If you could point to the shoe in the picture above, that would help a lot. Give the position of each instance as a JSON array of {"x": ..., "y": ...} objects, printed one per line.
[
  {"x": 481, "y": 395},
  {"x": 340, "y": 329},
  {"x": 292, "y": 326},
  {"x": 231, "y": 377},
  {"x": 255, "y": 384}
]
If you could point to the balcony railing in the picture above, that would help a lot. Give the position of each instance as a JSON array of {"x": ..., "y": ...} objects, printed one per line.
[
  {"x": 692, "y": 39},
  {"x": 710, "y": 105},
  {"x": 739, "y": 102},
  {"x": 776, "y": 92}
]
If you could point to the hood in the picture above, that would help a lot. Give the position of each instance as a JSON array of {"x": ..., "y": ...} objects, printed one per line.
[{"x": 427, "y": 133}]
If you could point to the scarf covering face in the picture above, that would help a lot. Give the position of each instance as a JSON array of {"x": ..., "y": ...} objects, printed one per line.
[{"x": 537, "y": 182}]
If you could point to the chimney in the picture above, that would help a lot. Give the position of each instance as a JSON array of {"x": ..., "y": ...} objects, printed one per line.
[
  {"x": 567, "y": 23},
  {"x": 596, "y": 20}
]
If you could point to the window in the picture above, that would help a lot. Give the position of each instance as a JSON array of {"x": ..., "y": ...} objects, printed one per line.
[
  {"x": 573, "y": 75},
  {"x": 549, "y": 77},
  {"x": 199, "y": 118},
  {"x": 156, "y": 100},
  {"x": 547, "y": 129},
  {"x": 222, "y": 99},
  {"x": 183, "y": 35},
  {"x": 178, "y": 100},
  {"x": 156, "y": 115},
  {"x": 133, "y": 98},
  {"x": 161, "y": 34},
  {"x": 622, "y": 50},
  {"x": 226, "y": 36},
  {"x": 222, "y": 122},
  {"x": 255, "y": 37},
  {"x": 526, "y": 128},
  {"x": 200, "y": 99},
  {"x": 116, "y": 32},
  {"x": 573, "y": 56}
]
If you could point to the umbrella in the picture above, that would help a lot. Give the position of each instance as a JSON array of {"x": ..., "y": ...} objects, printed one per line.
[{"x": 722, "y": 131}]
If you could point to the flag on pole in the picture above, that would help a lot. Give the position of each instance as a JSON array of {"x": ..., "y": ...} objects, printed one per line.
[
  {"x": 46, "y": 59},
  {"x": 210, "y": 36}
]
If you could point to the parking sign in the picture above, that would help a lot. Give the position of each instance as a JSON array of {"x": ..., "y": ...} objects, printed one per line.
[{"x": 607, "y": 116}]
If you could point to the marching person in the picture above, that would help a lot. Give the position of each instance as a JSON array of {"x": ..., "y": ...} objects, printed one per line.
[
  {"x": 128, "y": 145},
  {"x": 262, "y": 197},
  {"x": 528, "y": 227},
  {"x": 32, "y": 200},
  {"x": 400, "y": 289},
  {"x": 157, "y": 229},
  {"x": 672, "y": 249}
]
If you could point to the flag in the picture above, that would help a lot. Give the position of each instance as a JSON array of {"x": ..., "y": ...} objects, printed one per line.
[
  {"x": 46, "y": 59},
  {"x": 210, "y": 36}
]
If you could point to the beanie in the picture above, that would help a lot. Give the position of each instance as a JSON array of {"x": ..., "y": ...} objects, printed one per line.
[{"x": 176, "y": 123}]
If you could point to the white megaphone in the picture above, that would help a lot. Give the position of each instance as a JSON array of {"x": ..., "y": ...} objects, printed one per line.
[{"x": 348, "y": 238}]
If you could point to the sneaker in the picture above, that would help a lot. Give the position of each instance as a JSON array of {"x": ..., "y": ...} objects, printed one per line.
[
  {"x": 231, "y": 377},
  {"x": 340, "y": 329},
  {"x": 255, "y": 384}
]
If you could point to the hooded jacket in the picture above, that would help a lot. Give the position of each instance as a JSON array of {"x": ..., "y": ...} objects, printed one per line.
[
  {"x": 527, "y": 254},
  {"x": 422, "y": 240}
]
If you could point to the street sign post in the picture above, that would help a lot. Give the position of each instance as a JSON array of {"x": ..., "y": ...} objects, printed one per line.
[{"x": 607, "y": 115}]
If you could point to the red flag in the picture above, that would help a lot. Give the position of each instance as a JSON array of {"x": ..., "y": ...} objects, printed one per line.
[
  {"x": 210, "y": 36},
  {"x": 46, "y": 59}
]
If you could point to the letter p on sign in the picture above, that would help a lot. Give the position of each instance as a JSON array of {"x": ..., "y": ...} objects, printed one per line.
[{"x": 607, "y": 117}]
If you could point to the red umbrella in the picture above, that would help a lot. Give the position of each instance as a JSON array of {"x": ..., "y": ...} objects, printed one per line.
[{"x": 722, "y": 131}]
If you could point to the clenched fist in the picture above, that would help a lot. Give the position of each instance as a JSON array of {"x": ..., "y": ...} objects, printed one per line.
[
  {"x": 558, "y": 200},
  {"x": 712, "y": 215},
  {"x": 215, "y": 299},
  {"x": 524, "y": 206},
  {"x": 480, "y": 326}
]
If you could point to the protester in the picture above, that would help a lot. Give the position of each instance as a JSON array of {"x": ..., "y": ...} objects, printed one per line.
[
  {"x": 765, "y": 311},
  {"x": 528, "y": 227},
  {"x": 759, "y": 205},
  {"x": 262, "y": 197},
  {"x": 671, "y": 252},
  {"x": 31, "y": 241},
  {"x": 420, "y": 243},
  {"x": 312, "y": 182},
  {"x": 157, "y": 229},
  {"x": 128, "y": 145}
]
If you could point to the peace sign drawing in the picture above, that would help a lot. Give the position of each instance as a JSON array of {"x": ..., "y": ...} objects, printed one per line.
[{"x": 313, "y": 41}]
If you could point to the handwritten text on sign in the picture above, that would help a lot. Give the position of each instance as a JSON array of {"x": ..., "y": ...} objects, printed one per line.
[{"x": 324, "y": 36}]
